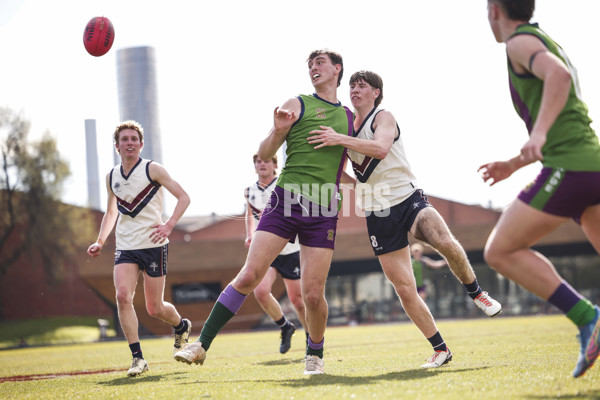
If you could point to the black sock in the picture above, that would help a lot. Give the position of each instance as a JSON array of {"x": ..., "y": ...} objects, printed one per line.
[
  {"x": 182, "y": 327},
  {"x": 473, "y": 289},
  {"x": 136, "y": 350},
  {"x": 437, "y": 342},
  {"x": 282, "y": 322}
]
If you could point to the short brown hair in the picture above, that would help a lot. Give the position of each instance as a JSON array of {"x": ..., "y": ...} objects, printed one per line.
[
  {"x": 517, "y": 10},
  {"x": 335, "y": 58},
  {"x": 372, "y": 79},
  {"x": 136, "y": 126}
]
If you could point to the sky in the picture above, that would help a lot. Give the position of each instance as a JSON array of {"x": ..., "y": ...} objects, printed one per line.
[{"x": 223, "y": 66}]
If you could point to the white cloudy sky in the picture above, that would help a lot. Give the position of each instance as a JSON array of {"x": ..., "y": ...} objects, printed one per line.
[{"x": 223, "y": 66}]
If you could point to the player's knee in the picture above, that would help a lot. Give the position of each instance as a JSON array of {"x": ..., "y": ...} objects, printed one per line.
[
  {"x": 247, "y": 279},
  {"x": 124, "y": 297},
  {"x": 313, "y": 298},
  {"x": 261, "y": 294},
  {"x": 494, "y": 257},
  {"x": 154, "y": 310},
  {"x": 406, "y": 291},
  {"x": 297, "y": 302}
]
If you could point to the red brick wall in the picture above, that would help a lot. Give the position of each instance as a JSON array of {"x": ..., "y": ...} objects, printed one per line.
[{"x": 26, "y": 292}]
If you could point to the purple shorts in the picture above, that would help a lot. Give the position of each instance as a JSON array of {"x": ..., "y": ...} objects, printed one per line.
[
  {"x": 563, "y": 193},
  {"x": 287, "y": 219}
]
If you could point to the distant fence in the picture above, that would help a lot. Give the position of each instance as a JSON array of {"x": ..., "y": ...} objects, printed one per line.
[{"x": 358, "y": 292}]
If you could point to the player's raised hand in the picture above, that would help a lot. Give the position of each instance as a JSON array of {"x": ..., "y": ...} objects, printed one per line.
[
  {"x": 496, "y": 171},
  {"x": 283, "y": 119}
]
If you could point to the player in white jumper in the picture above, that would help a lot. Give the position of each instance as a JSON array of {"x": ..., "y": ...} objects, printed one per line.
[
  {"x": 386, "y": 190},
  {"x": 135, "y": 197},
  {"x": 287, "y": 264}
]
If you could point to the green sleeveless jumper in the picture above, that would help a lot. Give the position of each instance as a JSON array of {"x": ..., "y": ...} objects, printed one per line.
[
  {"x": 571, "y": 143},
  {"x": 315, "y": 174}
]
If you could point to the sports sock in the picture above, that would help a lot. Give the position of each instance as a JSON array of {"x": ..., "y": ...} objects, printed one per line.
[
  {"x": 473, "y": 289},
  {"x": 582, "y": 313},
  {"x": 564, "y": 297},
  {"x": 282, "y": 322},
  {"x": 182, "y": 327},
  {"x": 437, "y": 342},
  {"x": 136, "y": 350},
  {"x": 227, "y": 305},
  {"x": 315, "y": 349},
  {"x": 576, "y": 307}
]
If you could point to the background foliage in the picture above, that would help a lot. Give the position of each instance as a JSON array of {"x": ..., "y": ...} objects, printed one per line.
[{"x": 33, "y": 221}]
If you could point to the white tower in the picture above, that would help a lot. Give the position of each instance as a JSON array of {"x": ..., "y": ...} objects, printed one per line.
[
  {"x": 138, "y": 96},
  {"x": 91, "y": 151}
]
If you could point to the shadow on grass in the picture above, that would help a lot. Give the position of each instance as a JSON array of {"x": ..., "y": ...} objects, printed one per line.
[
  {"x": 126, "y": 380},
  {"x": 281, "y": 361},
  {"x": 411, "y": 374},
  {"x": 581, "y": 394},
  {"x": 329, "y": 379}
]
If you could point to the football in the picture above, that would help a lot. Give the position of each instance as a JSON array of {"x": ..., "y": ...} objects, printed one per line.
[{"x": 98, "y": 36}]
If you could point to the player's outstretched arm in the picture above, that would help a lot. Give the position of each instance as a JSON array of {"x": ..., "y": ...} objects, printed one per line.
[
  {"x": 431, "y": 263},
  {"x": 108, "y": 222},
  {"x": 249, "y": 218},
  {"x": 385, "y": 132},
  {"x": 497, "y": 171}
]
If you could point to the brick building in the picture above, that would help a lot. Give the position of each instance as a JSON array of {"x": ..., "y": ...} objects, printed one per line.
[{"x": 205, "y": 253}]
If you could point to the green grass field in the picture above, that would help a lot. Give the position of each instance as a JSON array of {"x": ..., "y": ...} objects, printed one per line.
[
  {"x": 46, "y": 331},
  {"x": 501, "y": 358}
]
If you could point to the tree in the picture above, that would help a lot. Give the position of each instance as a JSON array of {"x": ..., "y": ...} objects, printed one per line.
[{"x": 34, "y": 223}]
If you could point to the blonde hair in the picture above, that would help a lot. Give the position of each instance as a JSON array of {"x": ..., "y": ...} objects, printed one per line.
[
  {"x": 274, "y": 159},
  {"x": 255, "y": 157},
  {"x": 136, "y": 126}
]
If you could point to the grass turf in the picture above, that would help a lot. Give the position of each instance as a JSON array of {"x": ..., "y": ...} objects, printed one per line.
[
  {"x": 45, "y": 331},
  {"x": 500, "y": 358}
]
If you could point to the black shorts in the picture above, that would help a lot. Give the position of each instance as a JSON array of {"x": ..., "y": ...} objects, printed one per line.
[
  {"x": 388, "y": 229},
  {"x": 288, "y": 265},
  {"x": 153, "y": 261}
]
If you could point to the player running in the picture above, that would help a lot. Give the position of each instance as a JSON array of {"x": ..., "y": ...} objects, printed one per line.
[
  {"x": 546, "y": 95},
  {"x": 135, "y": 197}
]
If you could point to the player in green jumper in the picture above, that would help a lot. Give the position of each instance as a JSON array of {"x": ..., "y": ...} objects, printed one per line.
[
  {"x": 304, "y": 203},
  {"x": 545, "y": 93}
]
